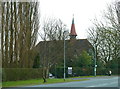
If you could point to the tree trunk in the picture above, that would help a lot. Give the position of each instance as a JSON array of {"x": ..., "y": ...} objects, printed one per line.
[
  {"x": 44, "y": 75},
  {"x": 47, "y": 72},
  {"x": 11, "y": 38},
  {"x": 6, "y": 37}
]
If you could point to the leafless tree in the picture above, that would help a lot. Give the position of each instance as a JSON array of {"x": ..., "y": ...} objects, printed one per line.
[
  {"x": 117, "y": 4},
  {"x": 94, "y": 37},
  {"x": 20, "y": 24},
  {"x": 52, "y": 36},
  {"x": 107, "y": 35},
  {"x": 0, "y": 37}
]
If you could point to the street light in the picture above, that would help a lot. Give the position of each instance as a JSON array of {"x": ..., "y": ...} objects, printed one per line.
[
  {"x": 95, "y": 60},
  {"x": 64, "y": 54}
]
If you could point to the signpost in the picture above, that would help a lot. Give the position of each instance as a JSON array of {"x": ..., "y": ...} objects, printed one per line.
[{"x": 69, "y": 70}]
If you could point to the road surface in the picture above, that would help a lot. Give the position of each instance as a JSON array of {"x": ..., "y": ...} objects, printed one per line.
[{"x": 107, "y": 81}]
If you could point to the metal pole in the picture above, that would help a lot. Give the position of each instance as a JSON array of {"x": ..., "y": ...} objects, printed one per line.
[
  {"x": 95, "y": 62},
  {"x": 64, "y": 56},
  {"x": 55, "y": 71}
]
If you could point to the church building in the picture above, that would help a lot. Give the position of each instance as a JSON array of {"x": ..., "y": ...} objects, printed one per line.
[{"x": 54, "y": 50}]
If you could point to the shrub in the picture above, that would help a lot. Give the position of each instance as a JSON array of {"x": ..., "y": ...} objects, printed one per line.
[{"x": 14, "y": 74}]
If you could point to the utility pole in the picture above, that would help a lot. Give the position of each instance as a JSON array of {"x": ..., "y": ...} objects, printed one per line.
[{"x": 64, "y": 55}]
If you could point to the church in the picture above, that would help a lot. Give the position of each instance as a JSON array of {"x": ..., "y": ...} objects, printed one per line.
[{"x": 52, "y": 52}]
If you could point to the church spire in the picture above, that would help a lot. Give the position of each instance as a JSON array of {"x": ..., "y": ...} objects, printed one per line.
[{"x": 73, "y": 32}]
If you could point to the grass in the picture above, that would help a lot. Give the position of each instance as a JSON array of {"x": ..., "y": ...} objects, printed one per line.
[
  {"x": 83, "y": 77},
  {"x": 35, "y": 82},
  {"x": 87, "y": 76},
  {"x": 40, "y": 81},
  {"x": 0, "y": 84}
]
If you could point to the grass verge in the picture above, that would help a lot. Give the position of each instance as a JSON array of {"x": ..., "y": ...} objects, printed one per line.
[
  {"x": 88, "y": 76},
  {"x": 35, "y": 82}
]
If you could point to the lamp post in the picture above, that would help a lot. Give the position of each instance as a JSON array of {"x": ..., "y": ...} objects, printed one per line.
[
  {"x": 64, "y": 54},
  {"x": 95, "y": 60}
]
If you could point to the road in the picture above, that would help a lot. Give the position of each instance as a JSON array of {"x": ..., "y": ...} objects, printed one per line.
[{"x": 106, "y": 81}]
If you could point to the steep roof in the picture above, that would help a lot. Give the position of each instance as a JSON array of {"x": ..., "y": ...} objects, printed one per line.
[
  {"x": 73, "y": 31},
  {"x": 78, "y": 45}
]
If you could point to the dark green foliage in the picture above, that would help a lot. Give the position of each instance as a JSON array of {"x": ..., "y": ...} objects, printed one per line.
[
  {"x": 14, "y": 74},
  {"x": 78, "y": 71},
  {"x": 112, "y": 64},
  {"x": 58, "y": 72},
  {"x": 82, "y": 65},
  {"x": 36, "y": 63},
  {"x": 84, "y": 60}
]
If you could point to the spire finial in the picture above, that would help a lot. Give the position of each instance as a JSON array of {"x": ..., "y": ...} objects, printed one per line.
[{"x": 73, "y": 19}]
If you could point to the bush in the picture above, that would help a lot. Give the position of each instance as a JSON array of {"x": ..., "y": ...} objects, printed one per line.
[
  {"x": 76, "y": 71},
  {"x": 14, "y": 74},
  {"x": 82, "y": 71}
]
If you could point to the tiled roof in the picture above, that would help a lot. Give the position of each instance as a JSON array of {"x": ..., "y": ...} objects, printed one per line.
[{"x": 77, "y": 44}]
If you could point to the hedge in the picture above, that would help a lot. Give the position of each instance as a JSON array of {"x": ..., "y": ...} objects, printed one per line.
[
  {"x": 77, "y": 71},
  {"x": 14, "y": 74}
]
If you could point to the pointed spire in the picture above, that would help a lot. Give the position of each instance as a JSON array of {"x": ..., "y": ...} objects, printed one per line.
[
  {"x": 73, "y": 19},
  {"x": 73, "y": 31}
]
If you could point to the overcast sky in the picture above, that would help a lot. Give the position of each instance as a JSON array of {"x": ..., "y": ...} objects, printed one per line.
[{"x": 83, "y": 10}]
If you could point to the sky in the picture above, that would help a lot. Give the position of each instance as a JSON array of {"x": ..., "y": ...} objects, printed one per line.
[{"x": 84, "y": 12}]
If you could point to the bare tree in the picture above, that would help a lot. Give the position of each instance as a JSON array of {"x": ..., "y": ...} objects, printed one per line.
[
  {"x": 20, "y": 24},
  {"x": 52, "y": 36},
  {"x": 0, "y": 50},
  {"x": 94, "y": 37},
  {"x": 107, "y": 34},
  {"x": 53, "y": 28},
  {"x": 118, "y": 11}
]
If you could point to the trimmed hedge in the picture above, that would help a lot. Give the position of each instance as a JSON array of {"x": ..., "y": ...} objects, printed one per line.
[
  {"x": 77, "y": 71},
  {"x": 14, "y": 74},
  {"x": 82, "y": 71}
]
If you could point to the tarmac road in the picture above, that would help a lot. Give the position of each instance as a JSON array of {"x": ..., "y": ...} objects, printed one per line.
[{"x": 107, "y": 81}]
